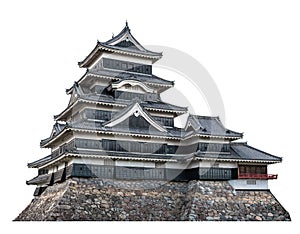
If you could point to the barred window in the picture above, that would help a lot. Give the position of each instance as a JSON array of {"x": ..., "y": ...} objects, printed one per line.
[{"x": 126, "y": 66}]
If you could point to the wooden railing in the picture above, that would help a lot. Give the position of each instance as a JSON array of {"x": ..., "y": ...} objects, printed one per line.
[{"x": 257, "y": 176}]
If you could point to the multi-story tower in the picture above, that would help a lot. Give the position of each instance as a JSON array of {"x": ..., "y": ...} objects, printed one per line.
[{"x": 117, "y": 127}]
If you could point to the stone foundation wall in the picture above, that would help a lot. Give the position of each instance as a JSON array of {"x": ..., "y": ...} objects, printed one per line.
[{"x": 95, "y": 199}]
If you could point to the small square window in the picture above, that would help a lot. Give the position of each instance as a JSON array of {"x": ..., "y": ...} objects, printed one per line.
[
  {"x": 124, "y": 66},
  {"x": 251, "y": 182}
]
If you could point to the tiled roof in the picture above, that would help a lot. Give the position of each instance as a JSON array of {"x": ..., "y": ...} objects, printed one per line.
[
  {"x": 129, "y": 49},
  {"x": 240, "y": 152},
  {"x": 152, "y": 79},
  {"x": 130, "y": 42},
  {"x": 250, "y": 153},
  {"x": 163, "y": 106},
  {"x": 57, "y": 129},
  {"x": 88, "y": 125},
  {"x": 123, "y": 43},
  {"x": 130, "y": 154},
  {"x": 147, "y": 104},
  {"x": 207, "y": 125},
  {"x": 39, "y": 162},
  {"x": 40, "y": 179}
]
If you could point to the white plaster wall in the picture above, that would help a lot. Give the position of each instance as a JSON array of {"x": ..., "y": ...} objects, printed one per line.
[
  {"x": 194, "y": 164},
  {"x": 204, "y": 164},
  {"x": 131, "y": 89},
  {"x": 85, "y": 135},
  {"x": 196, "y": 139},
  {"x": 93, "y": 161},
  {"x": 62, "y": 141},
  {"x": 100, "y": 81},
  {"x": 71, "y": 161},
  {"x": 52, "y": 170},
  {"x": 172, "y": 165},
  {"x": 242, "y": 184},
  {"x": 61, "y": 166},
  {"x": 221, "y": 164},
  {"x": 135, "y": 164}
]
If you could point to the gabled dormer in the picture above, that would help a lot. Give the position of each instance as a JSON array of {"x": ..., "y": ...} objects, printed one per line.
[
  {"x": 192, "y": 124},
  {"x": 57, "y": 128},
  {"x": 75, "y": 93}
]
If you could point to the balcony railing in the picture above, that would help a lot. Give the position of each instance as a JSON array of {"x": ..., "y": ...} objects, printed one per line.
[{"x": 257, "y": 176}]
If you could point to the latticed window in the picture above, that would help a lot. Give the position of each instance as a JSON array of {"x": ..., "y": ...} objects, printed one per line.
[
  {"x": 98, "y": 114},
  {"x": 250, "y": 169},
  {"x": 129, "y": 95},
  {"x": 88, "y": 144},
  {"x": 214, "y": 147},
  {"x": 42, "y": 171},
  {"x": 143, "y": 147},
  {"x": 109, "y": 162},
  {"x": 164, "y": 120},
  {"x": 126, "y": 66},
  {"x": 203, "y": 146}
]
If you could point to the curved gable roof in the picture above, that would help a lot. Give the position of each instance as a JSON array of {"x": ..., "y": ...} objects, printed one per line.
[
  {"x": 136, "y": 110},
  {"x": 123, "y": 43},
  {"x": 132, "y": 82}
]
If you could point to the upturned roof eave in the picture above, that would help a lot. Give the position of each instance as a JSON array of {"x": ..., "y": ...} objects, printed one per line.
[
  {"x": 134, "y": 157},
  {"x": 45, "y": 143},
  {"x": 102, "y": 47},
  {"x": 126, "y": 31},
  {"x": 209, "y": 135},
  {"x": 168, "y": 84},
  {"x": 275, "y": 158},
  {"x": 81, "y": 99}
]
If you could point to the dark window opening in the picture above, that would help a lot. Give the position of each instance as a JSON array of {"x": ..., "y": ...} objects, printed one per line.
[
  {"x": 250, "y": 169},
  {"x": 126, "y": 66}
]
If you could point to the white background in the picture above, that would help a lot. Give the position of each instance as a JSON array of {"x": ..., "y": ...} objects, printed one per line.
[{"x": 250, "y": 48}]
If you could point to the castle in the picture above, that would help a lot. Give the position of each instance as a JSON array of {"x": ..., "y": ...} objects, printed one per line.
[{"x": 117, "y": 127}]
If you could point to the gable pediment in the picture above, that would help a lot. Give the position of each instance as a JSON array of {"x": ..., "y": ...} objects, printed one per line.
[
  {"x": 135, "y": 113},
  {"x": 126, "y": 40},
  {"x": 132, "y": 85}
]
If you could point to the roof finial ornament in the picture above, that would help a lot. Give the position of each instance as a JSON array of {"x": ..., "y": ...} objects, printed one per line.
[
  {"x": 126, "y": 26},
  {"x": 112, "y": 36}
]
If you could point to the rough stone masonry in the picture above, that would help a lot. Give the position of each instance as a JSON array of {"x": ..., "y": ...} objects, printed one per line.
[{"x": 99, "y": 200}]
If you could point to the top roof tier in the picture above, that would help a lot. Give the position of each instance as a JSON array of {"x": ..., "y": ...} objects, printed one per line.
[{"x": 124, "y": 43}]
